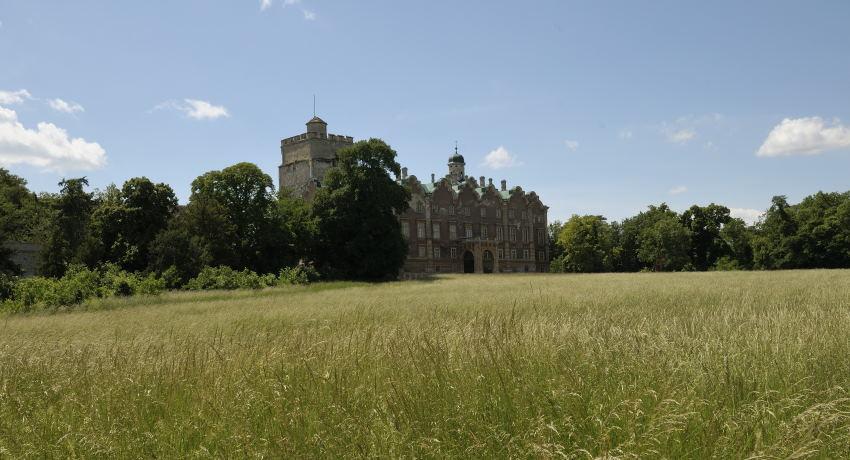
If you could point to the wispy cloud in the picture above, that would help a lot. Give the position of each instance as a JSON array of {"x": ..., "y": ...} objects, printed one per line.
[
  {"x": 685, "y": 129},
  {"x": 60, "y": 105},
  {"x": 14, "y": 97},
  {"x": 804, "y": 136},
  {"x": 309, "y": 15},
  {"x": 626, "y": 134},
  {"x": 47, "y": 147},
  {"x": 195, "y": 109},
  {"x": 750, "y": 216},
  {"x": 678, "y": 190},
  {"x": 500, "y": 158},
  {"x": 571, "y": 145}
]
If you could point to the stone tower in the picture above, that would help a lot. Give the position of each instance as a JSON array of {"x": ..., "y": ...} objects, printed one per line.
[
  {"x": 457, "y": 167},
  {"x": 306, "y": 157}
]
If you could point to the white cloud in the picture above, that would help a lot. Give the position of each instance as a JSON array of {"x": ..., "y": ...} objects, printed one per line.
[
  {"x": 681, "y": 136},
  {"x": 750, "y": 216},
  {"x": 572, "y": 146},
  {"x": 309, "y": 15},
  {"x": 265, "y": 4},
  {"x": 196, "y": 109},
  {"x": 14, "y": 97},
  {"x": 48, "y": 147},
  {"x": 804, "y": 136},
  {"x": 500, "y": 158},
  {"x": 678, "y": 190},
  {"x": 67, "y": 107}
]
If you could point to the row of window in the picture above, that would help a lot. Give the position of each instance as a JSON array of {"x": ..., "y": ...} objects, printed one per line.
[
  {"x": 452, "y": 253},
  {"x": 467, "y": 211},
  {"x": 484, "y": 232}
]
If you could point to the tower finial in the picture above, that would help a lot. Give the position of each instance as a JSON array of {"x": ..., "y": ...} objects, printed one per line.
[
  {"x": 455, "y": 147},
  {"x": 314, "y": 104}
]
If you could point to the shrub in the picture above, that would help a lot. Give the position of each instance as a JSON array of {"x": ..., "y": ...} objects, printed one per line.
[
  {"x": 7, "y": 284},
  {"x": 226, "y": 278},
  {"x": 300, "y": 274},
  {"x": 727, "y": 264}
]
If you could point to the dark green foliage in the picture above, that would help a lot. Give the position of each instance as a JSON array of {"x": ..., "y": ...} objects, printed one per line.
[
  {"x": 178, "y": 251},
  {"x": 69, "y": 239},
  {"x": 126, "y": 222},
  {"x": 705, "y": 224},
  {"x": 359, "y": 235},
  {"x": 236, "y": 216},
  {"x": 226, "y": 278},
  {"x": 300, "y": 274},
  {"x": 77, "y": 285},
  {"x": 7, "y": 286},
  {"x": 587, "y": 243},
  {"x": 664, "y": 245}
]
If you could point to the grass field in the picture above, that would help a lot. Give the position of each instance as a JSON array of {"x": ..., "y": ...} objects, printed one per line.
[{"x": 724, "y": 365}]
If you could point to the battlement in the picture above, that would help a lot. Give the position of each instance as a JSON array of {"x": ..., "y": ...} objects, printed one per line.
[{"x": 331, "y": 137}]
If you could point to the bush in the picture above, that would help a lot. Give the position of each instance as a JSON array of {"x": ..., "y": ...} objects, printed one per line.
[
  {"x": 300, "y": 274},
  {"x": 78, "y": 285},
  {"x": 7, "y": 285},
  {"x": 726, "y": 264},
  {"x": 226, "y": 278}
]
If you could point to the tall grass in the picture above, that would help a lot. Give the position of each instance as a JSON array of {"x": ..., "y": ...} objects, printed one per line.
[{"x": 725, "y": 365}]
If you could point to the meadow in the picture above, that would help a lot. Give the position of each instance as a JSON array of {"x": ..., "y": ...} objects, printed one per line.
[{"x": 680, "y": 365}]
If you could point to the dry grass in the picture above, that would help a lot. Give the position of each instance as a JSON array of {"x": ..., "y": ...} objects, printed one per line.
[{"x": 725, "y": 365}]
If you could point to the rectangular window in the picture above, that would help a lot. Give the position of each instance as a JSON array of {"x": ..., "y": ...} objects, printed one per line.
[
  {"x": 434, "y": 208},
  {"x": 513, "y": 254},
  {"x": 422, "y": 253},
  {"x": 525, "y": 235},
  {"x": 435, "y": 230},
  {"x": 405, "y": 229},
  {"x": 483, "y": 212},
  {"x": 499, "y": 212},
  {"x": 524, "y": 215},
  {"x": 541, "y": 236},
  {"x": 420, "y": 207},
  {"x": 483, "y": 231},
  {"x": 541, "y": 256},
  {"x": 452, "y": 231},
  {"x": 454, "y": 253},
  {"x": 525, "y": 254},
  {"x": 499, "y": 233},
  {"x": 451, "y": 210},
  {"x": 501, "y": 253},
  {"x": 468, "y": 230},
  {"x": 513, "y": 233},
  {"x": 420, "y": 229},
  {"x": 437, "y": 253}
]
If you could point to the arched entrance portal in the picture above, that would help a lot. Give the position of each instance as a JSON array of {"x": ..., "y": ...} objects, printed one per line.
[
  {"x": 488, "y": 262},
  {"x": 468, "y": 262}
]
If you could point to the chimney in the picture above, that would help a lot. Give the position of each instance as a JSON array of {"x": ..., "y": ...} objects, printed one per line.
[
  {"x": 404, "y": 173},
  {"x": 481, "y": 181},
  {"x": 432, "y": 178},
  {"x": 504, "y": 185},
  {"x": 490, "y": 182}
]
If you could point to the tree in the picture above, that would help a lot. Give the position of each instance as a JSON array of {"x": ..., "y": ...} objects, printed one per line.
[
  {"x": 737, "y": 237},
  {"x": 587, "y": 243},
  {"x": 628, "y": 237},
  {"x": 69, "y": 239},
  {"x": 234, "y": 211},
  {"x": 665, "y": 245},
  {"x": 177, "y": 248},
  {"x": 776, "y": 244},
  {"x": 22, "y": 217},
  {"x": 357, "y": 209},
  {"x": 126, "y": 221},
  {"x": 705, "y": 224}
]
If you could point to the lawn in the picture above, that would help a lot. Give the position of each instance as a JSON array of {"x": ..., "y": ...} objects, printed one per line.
[{"x": 725, "y": 365}]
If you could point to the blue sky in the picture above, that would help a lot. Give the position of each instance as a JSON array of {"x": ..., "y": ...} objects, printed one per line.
[{"x": 602, "y": 107}]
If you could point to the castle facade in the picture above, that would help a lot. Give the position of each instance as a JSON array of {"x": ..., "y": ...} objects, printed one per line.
[{"x": 455, "y": 224}]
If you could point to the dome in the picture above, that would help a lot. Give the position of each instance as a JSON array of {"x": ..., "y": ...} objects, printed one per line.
[{"x": 456, "y": 158}]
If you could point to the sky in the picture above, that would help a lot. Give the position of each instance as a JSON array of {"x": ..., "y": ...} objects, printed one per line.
[{"x": 601, "y": 107}]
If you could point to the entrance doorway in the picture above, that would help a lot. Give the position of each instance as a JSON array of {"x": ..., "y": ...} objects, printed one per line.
[
  {"x": 468, "y": 262},
  {"x": 488, "y": 262}
]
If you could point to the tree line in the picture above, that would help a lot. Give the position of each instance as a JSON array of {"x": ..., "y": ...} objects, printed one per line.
[
  {"x": 814, "y": 233},
  {"x": 234, "y": 218}
]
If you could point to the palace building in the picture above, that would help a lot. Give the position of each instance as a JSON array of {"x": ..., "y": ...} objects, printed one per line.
[{"x": 455, "y": 224}]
